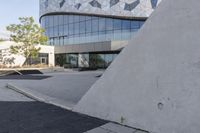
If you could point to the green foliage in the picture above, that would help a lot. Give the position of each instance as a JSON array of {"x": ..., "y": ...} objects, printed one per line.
[{"x": 27, "y": 35}]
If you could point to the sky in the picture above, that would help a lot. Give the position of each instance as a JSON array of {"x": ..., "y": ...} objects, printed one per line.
[{"x": 11, "y": 10}]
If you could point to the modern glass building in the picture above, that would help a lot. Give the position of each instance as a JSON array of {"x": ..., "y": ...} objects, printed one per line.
[{"x": 90, "y": 33}]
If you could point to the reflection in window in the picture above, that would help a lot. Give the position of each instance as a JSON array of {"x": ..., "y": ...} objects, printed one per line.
[
  {"x": 76, "y": 29},
  {"x": 71, "y": 29},
  {"x": 126, "y": 24},
  {"x": 82, "y": 27},
  {"x": 55, "y": 20},
  {"x": 109, "y": 24},
  {"x": 102, "y": 24},
  {"x": 88, "y": 26},
  {"x": 95, "y": 25},
  {"x": 117, "y": 24},
  {"x": 108, "y": 59}
]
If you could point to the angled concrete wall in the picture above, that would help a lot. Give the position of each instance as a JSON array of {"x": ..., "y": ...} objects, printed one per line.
[{"x": 154, "y": 84}]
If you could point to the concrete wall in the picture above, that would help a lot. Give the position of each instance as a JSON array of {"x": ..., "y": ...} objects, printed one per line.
[{"x": 154, "y": 84}]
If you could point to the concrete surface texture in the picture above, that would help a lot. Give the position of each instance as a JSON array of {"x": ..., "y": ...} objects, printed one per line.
[
  {"x": 7, "y": 95},
  {"x": 19, "y": 114},
  {"x": 154, "y": 83},
  {"x": 63, "y": 87},
  {"x": 114, "y": 128}
]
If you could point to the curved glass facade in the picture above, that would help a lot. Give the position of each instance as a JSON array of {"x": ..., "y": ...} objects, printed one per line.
[{"x": 77, "y": 29}]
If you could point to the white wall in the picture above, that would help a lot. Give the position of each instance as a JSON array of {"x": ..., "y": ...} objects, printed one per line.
[
  {"x": 19, "y": 59},
  {"x": 50, "y": 51}
]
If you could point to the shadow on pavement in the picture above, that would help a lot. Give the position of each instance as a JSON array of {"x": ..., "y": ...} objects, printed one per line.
[
  {"x": 24, "y": 77},
  {"x": 37, "y": 117}
]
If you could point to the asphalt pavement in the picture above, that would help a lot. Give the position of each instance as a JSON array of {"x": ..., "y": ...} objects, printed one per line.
[{"x": 66, "y": 86}]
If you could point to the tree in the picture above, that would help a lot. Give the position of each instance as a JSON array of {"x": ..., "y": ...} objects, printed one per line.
[{"x": 27, "y": 35}]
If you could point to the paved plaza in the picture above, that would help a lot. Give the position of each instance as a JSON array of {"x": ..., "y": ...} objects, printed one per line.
[
  {"x": 63, "y": 87},
  {"x": 20, "y": 114}
]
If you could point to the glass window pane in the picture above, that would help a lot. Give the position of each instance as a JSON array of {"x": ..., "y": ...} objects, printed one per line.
[
  {"x": 73, "y": 58},
  {"x": 55, "y": 31},
  {"x": 71, "y": 19},
  {"x": 61, "y": 41},
  {"x": 56, "y": 41},
  {"x": 61, "y": 30},
  {"x": 94, "y": 17},
  {"x": 61, "y": 20},
  {"x": 117, "y": 35},
  {"x": 88, "y": 26},
  {"x": 65, "y": 40},
  {"x": 66, "y": 30},
  {"x": 70, "y": 41},
  {"x": 102, "y": 24},
  {"x": 43, "y": 22},
  {"x": 109, "y": 35},
  {"x": 108, "y": 59},
  {"x": 88, "y": 18},
  {"x": 100, "y": 60},
  {"x": 109, "y": 24},
  {"x": 82, "y": 27},
  {"x": 71, "y": 29},
  {"x": 66, "y": 19},
  {"x": 50, "y": 21},
  {"x": 117, "y": 24},
  {"x": 82, "y": 18},
  {"x": 55, "y": 22},
  {"x": 76, "y": 18},
  {"x": 102, "y": 36},
  {"x": 76, "y": 28},
  {"x": 51, "y": 32},
  {"x": 46, "y": 21},
  {"x": 135, "y": 25},
  {"x": 88, "y": 37},
  {"x": 95, "y": 25},
  {"x": 126, "y": 24},
  {"x": 126, "y": 35}
]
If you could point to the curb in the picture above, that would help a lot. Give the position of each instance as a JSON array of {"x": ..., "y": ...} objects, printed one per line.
[{"x": 40, "y": 97}]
